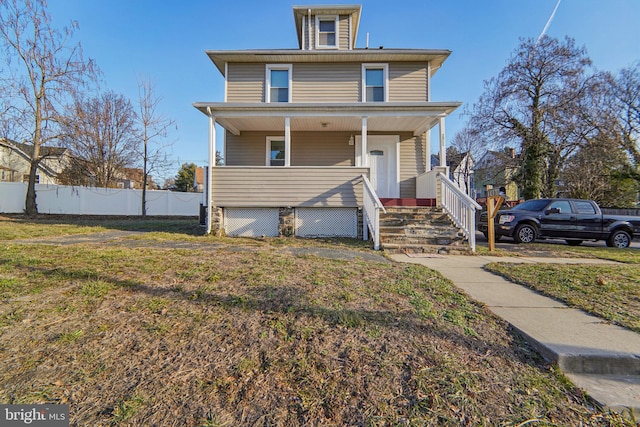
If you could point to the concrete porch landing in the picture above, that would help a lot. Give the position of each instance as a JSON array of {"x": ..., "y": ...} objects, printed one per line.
[{"x": 600, "y": 358}]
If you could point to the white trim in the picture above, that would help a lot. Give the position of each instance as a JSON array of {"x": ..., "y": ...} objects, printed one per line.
[
  {"x": 226, "y": 80},
  {"x": 443, "y": 143},
  {"x": 287, "y": 141},
  {"x": 427, "y": 150},
  {"x": 385, "y": 72},
  {"x": 268, "y": 149},
  {"x": 336, "y": 19},
  {"x": 267, "y": 79},
  {"x": 429, "y": 81},
  {"x": 212, "y": 162}
]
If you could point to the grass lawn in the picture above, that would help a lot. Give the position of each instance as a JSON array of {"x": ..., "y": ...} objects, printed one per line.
[
  {"x": 608, "y": 291},
  {"x": 244, "y": 332}
]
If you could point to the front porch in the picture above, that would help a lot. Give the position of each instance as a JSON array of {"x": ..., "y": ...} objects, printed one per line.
[{"x": 319, "y": 162}]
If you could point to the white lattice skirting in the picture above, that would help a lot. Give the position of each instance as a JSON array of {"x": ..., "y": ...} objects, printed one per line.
[
  {"x": 251, "y": 222},
  {"x": 326, "y": 222}
]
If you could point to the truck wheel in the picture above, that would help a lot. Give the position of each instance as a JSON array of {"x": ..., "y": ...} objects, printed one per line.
[
  {"x": 619, "y": 239},
  {"x": 525, "y": 233}
]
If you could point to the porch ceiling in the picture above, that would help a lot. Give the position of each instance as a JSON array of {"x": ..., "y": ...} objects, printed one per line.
[{"x": 387, "y": 117}]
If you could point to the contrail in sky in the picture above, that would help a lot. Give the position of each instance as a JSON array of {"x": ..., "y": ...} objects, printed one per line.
[{"x": 546, "y": 27}]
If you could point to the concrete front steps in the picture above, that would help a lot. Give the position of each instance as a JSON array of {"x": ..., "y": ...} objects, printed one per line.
[{"x": 420, "y": 229}]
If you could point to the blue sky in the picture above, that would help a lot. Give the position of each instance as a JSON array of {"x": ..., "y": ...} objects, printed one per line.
[{"x": 166, "y": 41}]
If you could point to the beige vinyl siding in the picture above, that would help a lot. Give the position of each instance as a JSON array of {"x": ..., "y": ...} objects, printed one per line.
[
  {"x": 245, "y": 82},
  {"x": 343, "y": 28},
  {"x": 412, "y": 155},
  {"x": 407, "y": 82},
  {"x": 307, "y": 149},
  {"x": 247, "y": 149},
  {"x": 321, "y": 149},
  {"x": 291, "y": 187},
  {"x": 326, "y": 82}
]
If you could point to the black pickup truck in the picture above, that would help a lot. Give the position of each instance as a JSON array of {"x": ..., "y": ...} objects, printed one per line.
[{"x": 573, "y": 220}]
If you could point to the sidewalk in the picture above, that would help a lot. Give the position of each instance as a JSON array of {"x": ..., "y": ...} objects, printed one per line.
[{"x": 601, "y": 358}]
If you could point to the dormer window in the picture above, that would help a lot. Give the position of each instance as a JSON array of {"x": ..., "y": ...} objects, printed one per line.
[{"x": 326, "y": 32}]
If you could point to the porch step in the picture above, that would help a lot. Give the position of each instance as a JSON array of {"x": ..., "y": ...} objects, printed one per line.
[
  {"x": 420, "y": 230},
  {"x": 407, "y": 202}
]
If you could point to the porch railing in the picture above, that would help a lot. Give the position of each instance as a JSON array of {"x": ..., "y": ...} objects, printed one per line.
[
  {"x": 460, "y": 207},
  {"x": 371, "y": 207}
]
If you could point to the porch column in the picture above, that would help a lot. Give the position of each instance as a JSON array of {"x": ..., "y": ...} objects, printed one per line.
[
  {"x": 287, "y": 141},
  {"x": 443, "y": 148},
  {"x": 427, "y": 152},
  {"x": 212, "y": 163},
  {"x": 363, "y": 155}
]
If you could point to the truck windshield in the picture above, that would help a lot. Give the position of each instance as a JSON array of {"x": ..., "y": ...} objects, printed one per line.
[{"x": 532, "y": 205}]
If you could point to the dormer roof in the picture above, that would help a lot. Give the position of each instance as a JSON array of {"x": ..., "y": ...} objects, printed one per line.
[{"x": 299, "y": 12}]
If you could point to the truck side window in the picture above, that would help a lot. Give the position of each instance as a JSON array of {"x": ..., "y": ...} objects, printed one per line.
[
  {"x": 585, "y": 208},
  {"x": 563, "y": 206}
]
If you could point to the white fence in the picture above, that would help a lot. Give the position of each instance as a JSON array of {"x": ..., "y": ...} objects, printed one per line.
[{"x": 63, "y": 199}]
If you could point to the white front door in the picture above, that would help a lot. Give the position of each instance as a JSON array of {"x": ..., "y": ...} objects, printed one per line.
[{"x": 382, "y": 153}]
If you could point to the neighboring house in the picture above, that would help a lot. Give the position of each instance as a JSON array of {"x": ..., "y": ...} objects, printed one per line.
[
  {"x": 15, "y": 162},
  {"x": 198, "y": 180},
  {"x": 306, "y": 129},
  {"x": 133, "y": 178},
  {"x": 461, "y": 170},
  {"x": 496, "y": 169}
]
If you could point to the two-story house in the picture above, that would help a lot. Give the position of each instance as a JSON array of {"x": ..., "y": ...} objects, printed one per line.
[
  {"x": 315, "y": 135},
  {"x": 496, "y": 170}
]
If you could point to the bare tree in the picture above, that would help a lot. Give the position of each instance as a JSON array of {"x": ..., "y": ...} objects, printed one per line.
[
  {"x": 102, "y": 138},
  {"x": 607, "y": 180},
  {"x": 154, "y": 128},
  {"x": 626, "y": 108},
  {"x": 536, "y": 100},
  {"x": 44, "y": 69},
  {"x": 469, "y": 142}
]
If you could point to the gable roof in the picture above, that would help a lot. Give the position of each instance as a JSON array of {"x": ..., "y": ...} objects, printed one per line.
[{"x": 27, "y": 149}]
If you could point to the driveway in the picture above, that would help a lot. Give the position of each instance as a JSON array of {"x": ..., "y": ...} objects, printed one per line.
[{"x": 508, "y": 243}]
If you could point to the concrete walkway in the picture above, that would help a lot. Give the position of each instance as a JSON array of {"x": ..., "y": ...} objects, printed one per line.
[{"x": 600, "y": 358}]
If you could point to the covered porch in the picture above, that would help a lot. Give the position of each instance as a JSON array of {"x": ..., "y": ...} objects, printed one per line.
[{"x": 355, "y": 134}]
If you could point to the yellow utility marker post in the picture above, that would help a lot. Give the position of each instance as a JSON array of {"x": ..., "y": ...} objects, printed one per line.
[{"x": 494, "y": 201}]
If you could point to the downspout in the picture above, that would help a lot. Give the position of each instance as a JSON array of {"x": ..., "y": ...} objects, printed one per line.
[
  {"x": 309, "y": 27},
  {"x": 304, "y": 25},
  {"x": 212, "y": 161}
]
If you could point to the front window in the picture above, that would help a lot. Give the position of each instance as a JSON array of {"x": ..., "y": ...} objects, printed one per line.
[
  {"x": 326, "y": 31},
  {"x": 374, "y": 82},
  {"x": 278, "y": 81},
  {"x": 275, "y": 151}
]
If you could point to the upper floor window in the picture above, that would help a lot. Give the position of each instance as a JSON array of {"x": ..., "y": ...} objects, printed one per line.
[
  {"x": 326, "y": 31},
  {"x": 278, "y": 83},
  {"x": 375, "y": 82}
]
